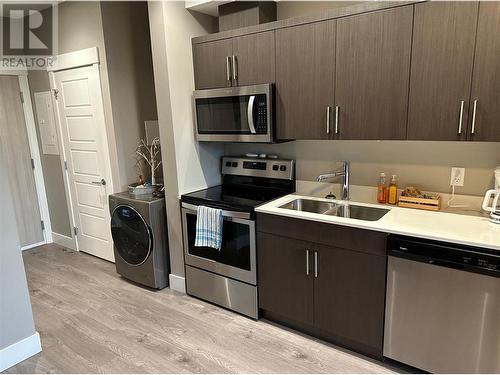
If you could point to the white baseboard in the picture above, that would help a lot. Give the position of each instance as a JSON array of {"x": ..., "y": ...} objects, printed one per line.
[
  {"x": 63, "y": 240},
  {"x": 27, "y": 247},
  {"x": 177, "y": 283},
  {"x": 18, "y": 352}
]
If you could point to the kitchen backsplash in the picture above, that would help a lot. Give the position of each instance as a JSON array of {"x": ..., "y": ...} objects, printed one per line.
[{"x": 423, "y": 164}]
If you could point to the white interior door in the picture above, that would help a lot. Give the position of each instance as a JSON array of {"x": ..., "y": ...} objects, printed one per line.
[
  {"x": 15, "y": 148},
  {"x": 83, "y": 131}
]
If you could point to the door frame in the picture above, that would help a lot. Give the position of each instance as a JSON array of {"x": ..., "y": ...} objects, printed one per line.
[
  {"x": 29, "y": 121},
  {"x": 88, "y": 57}
]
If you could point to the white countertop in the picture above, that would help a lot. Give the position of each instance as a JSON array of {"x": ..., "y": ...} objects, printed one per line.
[{"x": 441, "y": 226}]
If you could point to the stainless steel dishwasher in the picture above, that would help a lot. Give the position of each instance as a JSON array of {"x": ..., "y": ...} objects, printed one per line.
[{"x": 442, "y": 306}]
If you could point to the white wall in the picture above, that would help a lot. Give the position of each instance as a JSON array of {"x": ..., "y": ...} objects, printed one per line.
[
  {"x": 120, "y": 32},
  {"x": 80, "y": 27},
  {"x": 131, "y": 81},
  {"x": 423, "y": 164},
  {"x": 51, "y": 165},
  {"x": 16, "y": 317},
  {"x": 197, "y": 163},
  {"x": 290, "y": 9},
  {"x": 188, "y": 166}
]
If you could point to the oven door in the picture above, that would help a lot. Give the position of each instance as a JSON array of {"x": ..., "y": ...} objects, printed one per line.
[
  {"x": 237, "y": 257},
  {"x": 236, "y": 114}
]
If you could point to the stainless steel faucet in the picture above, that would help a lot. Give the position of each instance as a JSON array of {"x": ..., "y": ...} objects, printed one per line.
[{"x": 344, "y": 172}]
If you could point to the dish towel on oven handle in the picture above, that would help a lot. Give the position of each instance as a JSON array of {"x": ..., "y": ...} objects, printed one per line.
[{"x": 209, "y": 227}]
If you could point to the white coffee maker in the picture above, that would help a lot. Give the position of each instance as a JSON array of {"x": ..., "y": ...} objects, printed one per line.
[{"x": 494, "y": 197}]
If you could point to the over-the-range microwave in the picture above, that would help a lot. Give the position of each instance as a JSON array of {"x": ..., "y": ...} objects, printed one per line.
[{"x": 235, "y": 114}]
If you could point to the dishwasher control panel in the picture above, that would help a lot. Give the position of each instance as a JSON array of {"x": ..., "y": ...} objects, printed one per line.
[{"x": 445, "y": 254}]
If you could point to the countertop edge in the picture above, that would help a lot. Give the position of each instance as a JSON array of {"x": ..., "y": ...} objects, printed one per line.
[{"x": 386, "y": 226}]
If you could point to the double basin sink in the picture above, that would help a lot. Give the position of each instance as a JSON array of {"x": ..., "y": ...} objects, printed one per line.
[{"x": 347, "y": 210}]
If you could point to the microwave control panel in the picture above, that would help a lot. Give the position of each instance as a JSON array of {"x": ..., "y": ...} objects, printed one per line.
[{"x": 261, "y": 124}]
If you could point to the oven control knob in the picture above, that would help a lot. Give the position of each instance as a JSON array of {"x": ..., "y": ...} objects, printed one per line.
[
  {"x": 228, "y": 163},
  {"x": 282, "y": 168},
  {"x": 275, "y": 167}
]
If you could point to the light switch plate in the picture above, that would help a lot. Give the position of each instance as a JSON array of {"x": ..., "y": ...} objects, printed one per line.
[{"x": 457, "y": 176}]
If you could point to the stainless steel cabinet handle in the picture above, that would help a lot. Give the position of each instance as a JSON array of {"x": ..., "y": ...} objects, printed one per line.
[
  {"x": 328, "y": 120},
  {"x": 235, "y": 69},
  {"x": 315, "y": 264},
  {"x": 307, "y": 262},
  {"x": 337, "y": 119},
  {"x": 228, "y": 69},
  {"x": 461, "y": 117},
  {"x": 474, "y": 117},
  {"x": 102, "y": 182}
]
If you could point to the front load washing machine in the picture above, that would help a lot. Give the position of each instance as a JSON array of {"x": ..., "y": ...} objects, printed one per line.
[{"x": 139, "y": 231}]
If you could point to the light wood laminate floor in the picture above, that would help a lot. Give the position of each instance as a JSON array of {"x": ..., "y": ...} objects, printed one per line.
[{"x": 91, "y": 320}]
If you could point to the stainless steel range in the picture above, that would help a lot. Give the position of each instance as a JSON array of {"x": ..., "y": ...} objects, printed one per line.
[{"x": 228, "y": 277}]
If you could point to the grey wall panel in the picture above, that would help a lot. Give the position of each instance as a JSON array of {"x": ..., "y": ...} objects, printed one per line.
[{"x": 16, "y": 317}]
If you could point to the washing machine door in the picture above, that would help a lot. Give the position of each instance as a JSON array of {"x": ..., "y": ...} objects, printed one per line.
[{"x": 131, "y": 235}]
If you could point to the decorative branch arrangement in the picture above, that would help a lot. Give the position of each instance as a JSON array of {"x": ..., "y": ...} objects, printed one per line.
[{"x": 151, "y": 154}]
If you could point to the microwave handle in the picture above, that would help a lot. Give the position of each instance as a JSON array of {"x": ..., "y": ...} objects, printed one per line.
[{"x": 251, "y": 124}]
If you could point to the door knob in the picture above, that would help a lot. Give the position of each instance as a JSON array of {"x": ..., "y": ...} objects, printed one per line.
[{"x": 102, "y": 182}]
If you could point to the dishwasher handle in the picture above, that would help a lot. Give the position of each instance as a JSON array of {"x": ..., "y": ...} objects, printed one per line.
[
  {"x": 445, "y": 263},
  {"x": 429, "y": 260}
]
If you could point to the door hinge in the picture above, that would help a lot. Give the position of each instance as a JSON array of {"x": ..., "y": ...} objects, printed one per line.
[
  {"x": 22, "y": 96},
  {"x": 75, "y": 230},
  {"x": 56, "y": 93},
  {"x": 43, "y": 225},
  {"x": 32, "y": 163},
  {"x": 65, "y": 165}
]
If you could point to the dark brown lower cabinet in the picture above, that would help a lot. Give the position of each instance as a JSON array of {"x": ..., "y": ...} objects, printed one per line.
[
  {"x": 349, "y": 298},
  {"x": 285, "y": 287},
  {"x": 331, "y": 292}
]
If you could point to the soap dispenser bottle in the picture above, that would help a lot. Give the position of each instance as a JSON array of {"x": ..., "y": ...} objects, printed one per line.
[
  {"x": 393, "y": 190},
  {"x": 382, "y": 189}
]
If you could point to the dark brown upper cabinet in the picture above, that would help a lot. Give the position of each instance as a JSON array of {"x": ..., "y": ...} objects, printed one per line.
[
  {"x": 441, "y": 70},
  {"x": 211, "y": 65},
  {"x": 240, "y": 61},
  {"x": 427, "y": 71},
  {"x": 485, "y": 95},
  {"x": 372, "y": 74},
  {"x": 305, "y": 68},
  {"x": 254, "y": 58}
]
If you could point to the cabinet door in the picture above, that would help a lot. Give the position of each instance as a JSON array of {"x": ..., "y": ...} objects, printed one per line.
[
  {"x": 305, "y": 64},
  {"x": 349, "y": 297},
  {"x": 285, "y": 288},
  {"x": 486, "y": 76},
  {"x": 255, "y": 58},
  {"x": 372, "y": 74},
  {"x": 441, "y": 70},
  {"x": 210, "y": 66}
]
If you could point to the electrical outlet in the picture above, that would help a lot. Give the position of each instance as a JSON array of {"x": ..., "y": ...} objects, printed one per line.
[{"x": 457, "y": 176}]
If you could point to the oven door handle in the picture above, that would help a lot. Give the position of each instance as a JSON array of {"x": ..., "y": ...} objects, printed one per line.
[
  {"x": 233, "y": 214},
  {"x": 251, "y": 124}
]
